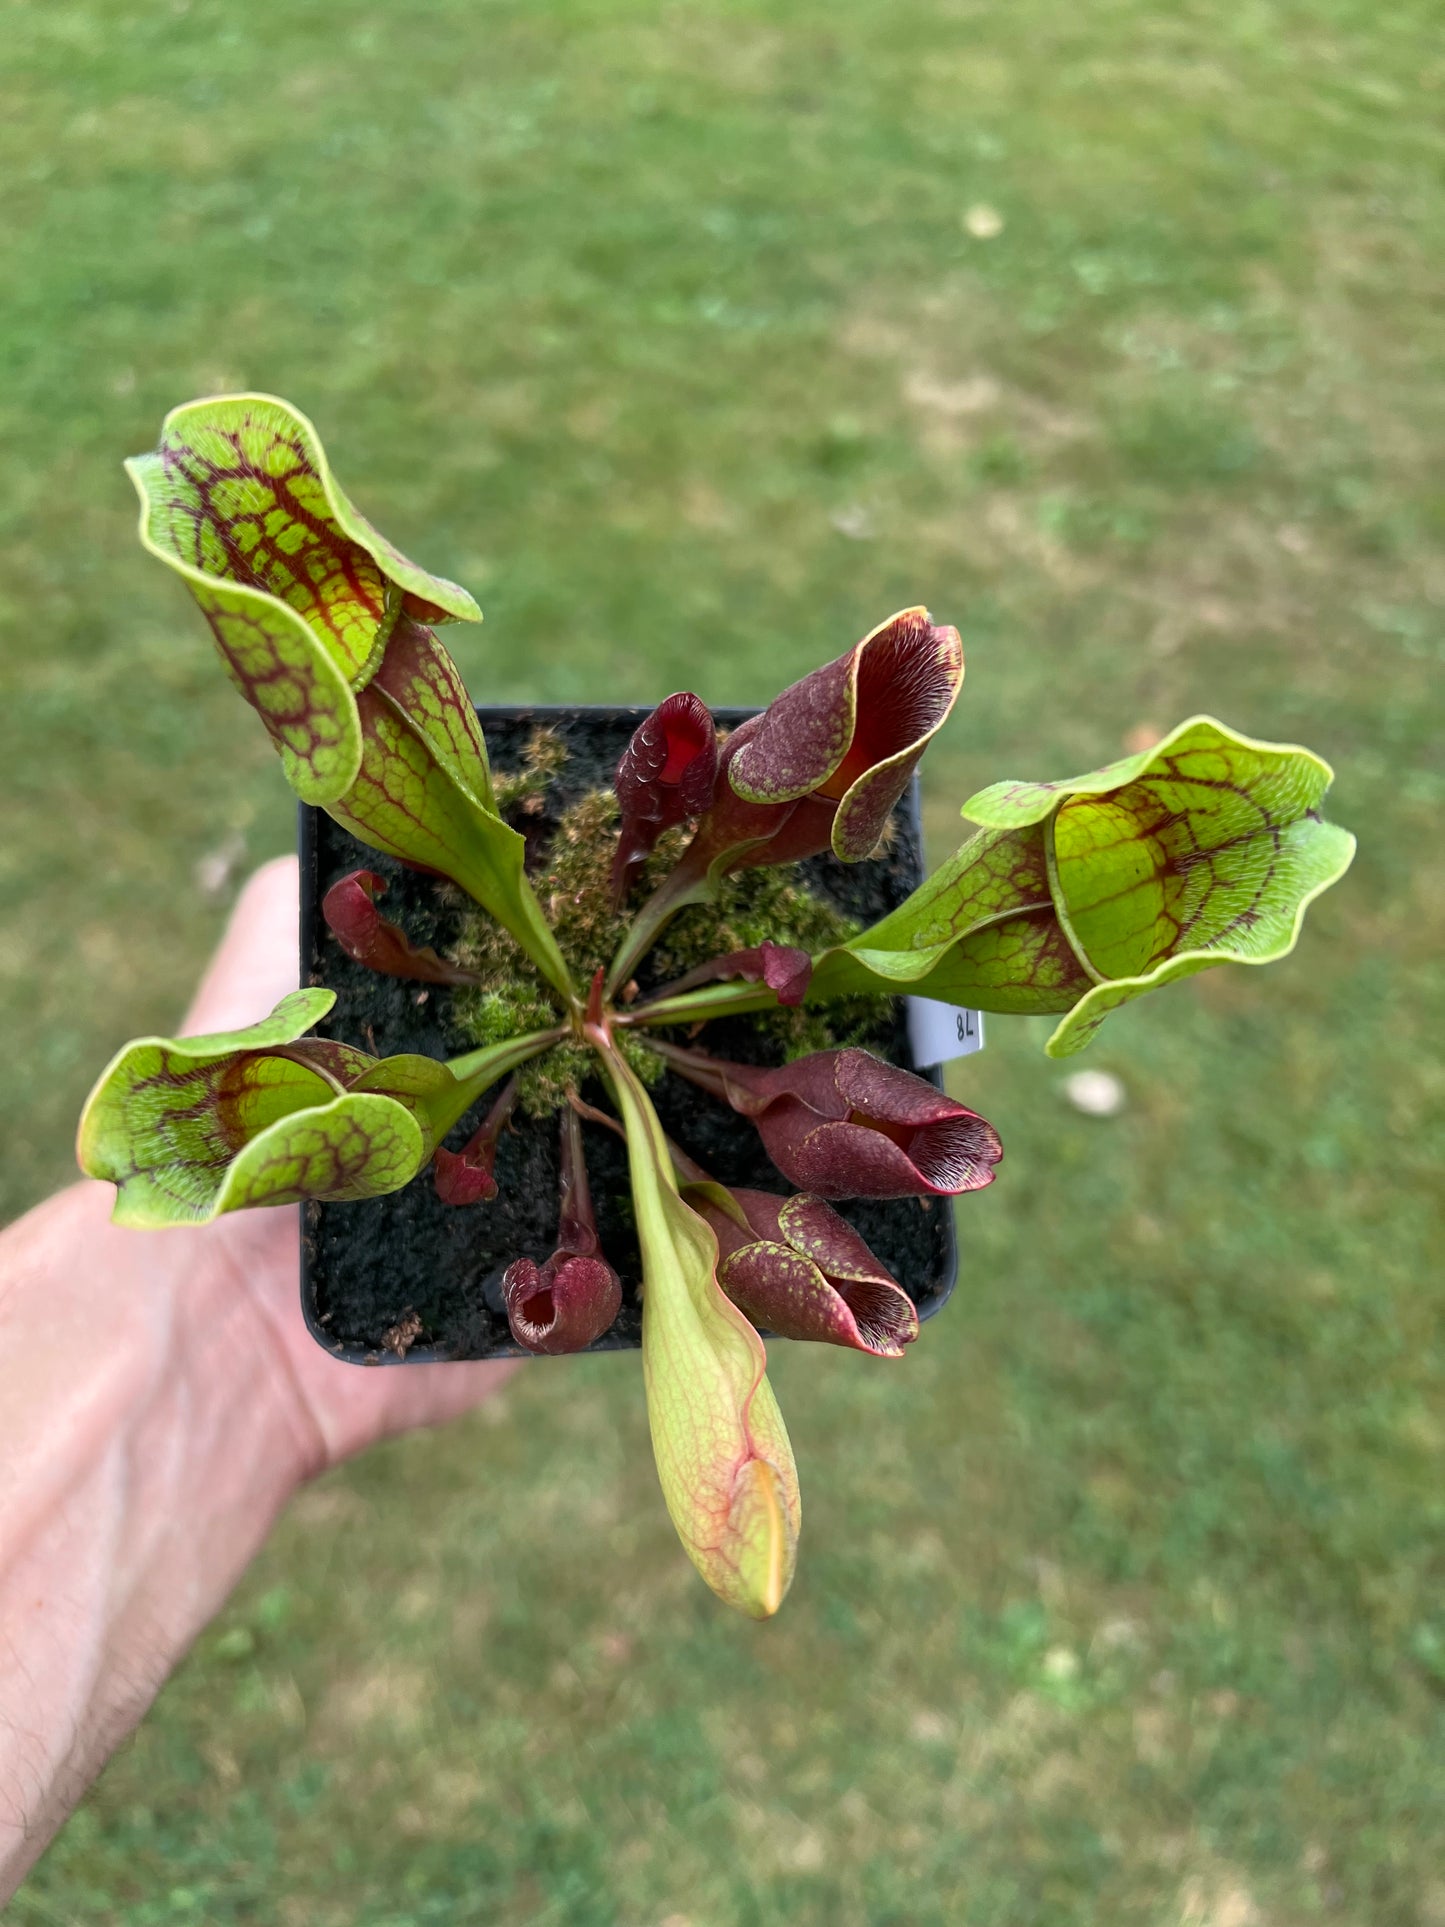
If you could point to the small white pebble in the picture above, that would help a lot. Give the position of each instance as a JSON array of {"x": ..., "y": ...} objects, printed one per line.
[
  {"x": 212, "y": 875},
  {"x": 1061, "y": 1662},
  {"x": 1118, "y": 1634},
  {"x": 855, "y": 522},
  {"x": 214, "y": 871},
  {"x": 983, "y": 222},
  {"x": 1096, "y": 1093}
]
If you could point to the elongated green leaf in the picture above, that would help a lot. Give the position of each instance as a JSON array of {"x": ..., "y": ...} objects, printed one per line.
[
  {"x": 992, "y": 877},
  {"x": 1021, "y": 966},
  {"x": 408, "y": 803},
  {"x": 970, "y": 922},
  {"x": 723, "y": 1456},
  {"x": 424, "y": 687},
  {"x": 422, "y": 1086},
  {"x": 300, "y": 590},
  {"x": 438, "y": 1094},
  {"x": 980, "y": 930}
]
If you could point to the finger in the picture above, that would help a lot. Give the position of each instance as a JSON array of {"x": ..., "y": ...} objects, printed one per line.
[{"x": 257, "y": 960}]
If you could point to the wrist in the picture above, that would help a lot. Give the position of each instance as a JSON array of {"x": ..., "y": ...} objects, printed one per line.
[{"x": 153, "y": 1431}]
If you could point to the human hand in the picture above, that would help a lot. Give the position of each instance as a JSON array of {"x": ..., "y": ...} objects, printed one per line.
[
  {"x": 160, "y": 1400},
  {"x": 344, "y": 1408}
]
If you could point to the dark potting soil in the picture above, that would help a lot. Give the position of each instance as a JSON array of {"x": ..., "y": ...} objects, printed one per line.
[{"x": 408, "y": 1277}]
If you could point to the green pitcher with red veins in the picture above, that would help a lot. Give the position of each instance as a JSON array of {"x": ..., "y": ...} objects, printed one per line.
[{"x": 1070, "y": 898}]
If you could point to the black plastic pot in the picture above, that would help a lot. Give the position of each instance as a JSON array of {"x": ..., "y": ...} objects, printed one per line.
[{"x": 407, "y": 1278}]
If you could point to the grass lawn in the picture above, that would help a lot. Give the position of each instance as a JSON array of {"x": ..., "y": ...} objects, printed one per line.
[{"x": 695, "y": 337}]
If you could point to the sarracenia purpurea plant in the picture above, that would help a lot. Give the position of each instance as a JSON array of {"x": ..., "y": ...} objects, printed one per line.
[{"x": 1070, "y": 898}]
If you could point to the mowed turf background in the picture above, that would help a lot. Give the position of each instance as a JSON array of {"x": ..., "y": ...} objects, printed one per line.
[{"x": 695, "y": 338}]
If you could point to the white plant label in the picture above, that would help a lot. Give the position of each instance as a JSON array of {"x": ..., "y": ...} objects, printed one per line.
[{"x": 937, "y": 1033}]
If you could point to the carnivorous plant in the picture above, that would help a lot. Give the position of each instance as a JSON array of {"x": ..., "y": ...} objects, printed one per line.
[{"x": 1069, "y": 897}]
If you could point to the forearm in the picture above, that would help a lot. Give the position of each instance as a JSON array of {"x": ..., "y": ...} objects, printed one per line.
[{"x": 152, "y": 1431}]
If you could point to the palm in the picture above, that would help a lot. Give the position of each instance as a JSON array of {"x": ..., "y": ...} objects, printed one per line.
[{"x": 260, "y": 1250}]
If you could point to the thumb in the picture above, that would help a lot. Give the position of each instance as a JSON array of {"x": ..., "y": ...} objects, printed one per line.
[{"x": 257, "y": 960}]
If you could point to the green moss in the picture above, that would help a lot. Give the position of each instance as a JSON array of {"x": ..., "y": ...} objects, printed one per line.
[
  {"x": 772, "y": 904},
  {"x": 527, "y": 787},
  {"x": 573, "y": 885},
  {"x": 542, "y": 1085}
]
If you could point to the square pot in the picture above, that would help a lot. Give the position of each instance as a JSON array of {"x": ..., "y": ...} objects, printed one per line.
[{"x": 408, "y": 1278}]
